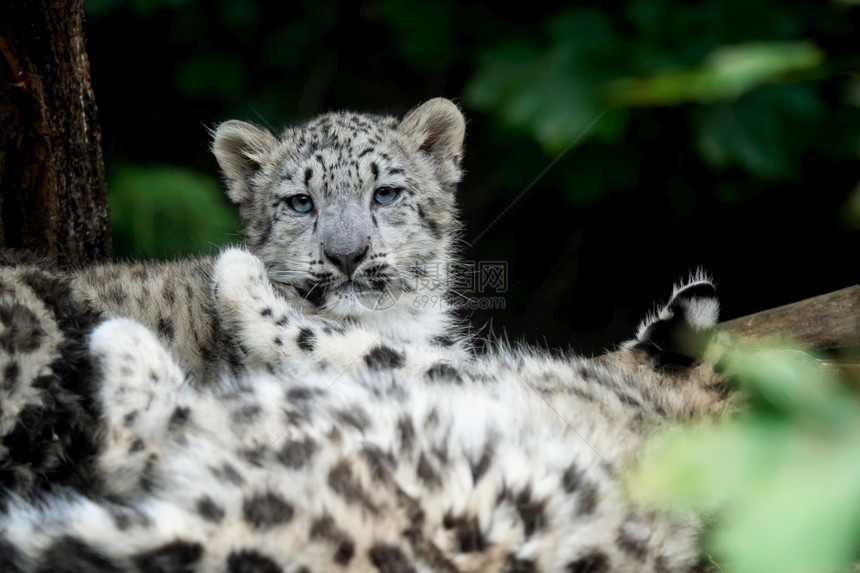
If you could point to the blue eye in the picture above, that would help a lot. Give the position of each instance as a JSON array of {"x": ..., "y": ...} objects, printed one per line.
[
  {"x": 386, "y": 195},
  {"x": 300, "y": 203}
]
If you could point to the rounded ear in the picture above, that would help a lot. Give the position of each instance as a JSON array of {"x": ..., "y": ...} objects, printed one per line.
[
  {"x": 240, "y": 149},
  {"x": 437, "y": 128},
  {"x": 678, "y": 335}
]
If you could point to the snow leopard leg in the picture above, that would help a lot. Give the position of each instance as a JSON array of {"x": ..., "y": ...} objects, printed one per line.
[
  {"x": 266, "y": 326},
  {"x": 139, "y": 393},
  {"x": 78, "y": 534},
  {"x": 142, "y": 524}
]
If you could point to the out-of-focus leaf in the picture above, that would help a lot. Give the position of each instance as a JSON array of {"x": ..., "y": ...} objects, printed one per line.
[
  {"x": 781, "y": 380},
  {"x": 726, "y": 74},
  {"x": 242, "y": 17},
  {"x": 851, "y": 210},
  {"x": 141, "y": 8},
  {"x": 594, "y": 171},
  {"x": 695, "y": 468},
  {"x": 424, "y": 31},
  {"x": 164, "y": 212},
  {"x": 783, "y": 478},
  {"x": 765, "y": 133},
  {"x": 802, "y": 517},
  {"x": 212, "y": 76},
  {"x": 98, "y": 8},
  {"x": 550, "y": 91},
  {"x": 286, "y": 47}
]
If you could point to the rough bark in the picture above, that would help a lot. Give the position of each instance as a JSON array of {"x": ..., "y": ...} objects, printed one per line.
[
  {"x": 829, "y": 322},
  {"x": 52, "y": 184}
]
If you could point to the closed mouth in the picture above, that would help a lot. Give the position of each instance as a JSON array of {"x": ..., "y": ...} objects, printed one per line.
[{"x": 357, "y": 288}]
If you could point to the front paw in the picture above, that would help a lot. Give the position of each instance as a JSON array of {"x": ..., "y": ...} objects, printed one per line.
[{"x": 238, "y": 277}]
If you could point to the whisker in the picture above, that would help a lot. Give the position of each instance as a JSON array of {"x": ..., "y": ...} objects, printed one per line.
[
  {"x": 307, "y": 294},
  {"x": 443, "y": 284}
]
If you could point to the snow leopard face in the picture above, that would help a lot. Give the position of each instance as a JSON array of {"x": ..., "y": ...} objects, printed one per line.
[{"x": 350, "y": 212}]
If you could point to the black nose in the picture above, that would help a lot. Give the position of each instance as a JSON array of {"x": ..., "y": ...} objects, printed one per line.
[{"x": 347, "y": 262}]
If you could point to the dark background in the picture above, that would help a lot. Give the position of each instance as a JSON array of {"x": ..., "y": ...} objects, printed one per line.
[{"x": 729, "y": 136}]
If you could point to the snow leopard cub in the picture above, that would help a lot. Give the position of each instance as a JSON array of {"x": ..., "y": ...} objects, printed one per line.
[
  {"x": 408, "y": 459},
  {"x": 348, "y": 211}
]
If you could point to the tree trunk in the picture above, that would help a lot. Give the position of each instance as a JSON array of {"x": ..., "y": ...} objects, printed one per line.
[{"x": 52, "y": 185}]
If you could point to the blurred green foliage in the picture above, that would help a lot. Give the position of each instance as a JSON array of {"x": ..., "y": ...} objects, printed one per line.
[
  {"x": 850, "y": 213},
  {"x": 756, "y": 87},
  {"x": 162, "y": 212},
  {"x": 664, "y": 53},
  {"x": 726, "y": 74},
  {"x": 782, "y": 479}
]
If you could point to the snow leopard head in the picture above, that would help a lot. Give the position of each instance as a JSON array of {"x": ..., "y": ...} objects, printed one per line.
[{"x": 352, "y": 212}]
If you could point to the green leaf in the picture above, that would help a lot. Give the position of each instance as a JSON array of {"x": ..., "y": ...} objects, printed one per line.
[
  {"x": 552, "y": 91},
  {"x": 803, "y": 517},
  {"x": 694, "y": 467},
  {"x": 212, "y": 76},
  {"x": 765, "y": 133},
  {"x": 165, "y": 212},
  {"x": 850, "y": 212},
  {"x": 594, "y": 171},
  {"x": 789, "y": 382},
  {"x": 423, "y": 31},
  {"x": 726, "y": 74},
  {"x": 783, "y": 477}
]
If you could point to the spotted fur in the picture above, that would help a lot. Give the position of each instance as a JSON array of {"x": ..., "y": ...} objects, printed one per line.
[
  {"x": 350, "y": 259},
  {"x": 286, "y": 407},
  {"x": 48, "y": 413},
  {"x": 339, "y": 448}
]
